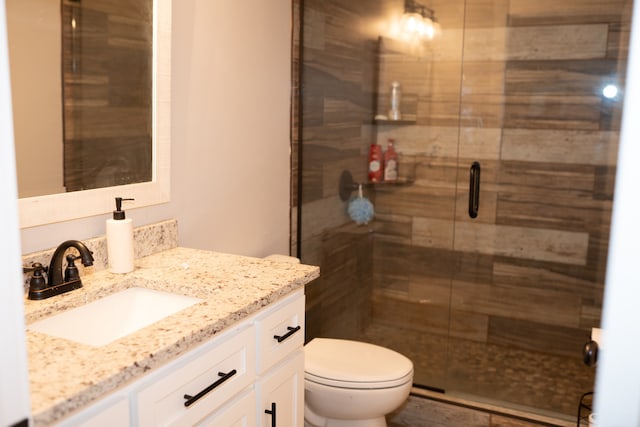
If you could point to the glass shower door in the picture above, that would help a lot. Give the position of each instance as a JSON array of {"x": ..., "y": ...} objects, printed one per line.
[
  {"x": 387, "y": 282},
  {"x": 413, "y": 257},
  {"x": 529, "y": 278}
]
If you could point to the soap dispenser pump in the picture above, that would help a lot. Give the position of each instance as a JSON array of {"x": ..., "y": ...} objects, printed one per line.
[{"x": 120, "y": 240}]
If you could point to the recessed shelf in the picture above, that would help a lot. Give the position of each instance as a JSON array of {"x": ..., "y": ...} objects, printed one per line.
[
  {"x": 399, "y": 181},
  {"x": 348, "y": 185},
  {"x": 394, "y": 122}
]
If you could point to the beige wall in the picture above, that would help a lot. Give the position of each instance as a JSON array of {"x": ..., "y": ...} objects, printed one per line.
[
  {"x": 230, "y": 167},
  {"x": 231, "y": 101}
]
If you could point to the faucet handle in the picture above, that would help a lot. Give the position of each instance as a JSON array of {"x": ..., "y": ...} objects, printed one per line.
[
  {"x": 71, "y": 272},
  {"x": 36, "y": 267},
  {"x": 37, "y": 281}
]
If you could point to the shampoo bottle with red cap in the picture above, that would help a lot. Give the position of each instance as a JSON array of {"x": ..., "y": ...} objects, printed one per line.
[
  {"x": 376, "y": 163},
  {"x": 120, "y": 240}
]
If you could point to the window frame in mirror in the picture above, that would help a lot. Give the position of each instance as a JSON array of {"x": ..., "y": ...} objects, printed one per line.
[{"x": 48, "y": 209}]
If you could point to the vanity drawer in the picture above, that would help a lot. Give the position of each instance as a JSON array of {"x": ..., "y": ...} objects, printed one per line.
[
  {"x": 210, "y": 379},
  {"x": 240, "y": 412},
  {"x": 280, "y": 331}
]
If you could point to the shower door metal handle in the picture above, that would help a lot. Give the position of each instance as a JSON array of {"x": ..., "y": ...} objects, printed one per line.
[{"x": 474, "y": 189}]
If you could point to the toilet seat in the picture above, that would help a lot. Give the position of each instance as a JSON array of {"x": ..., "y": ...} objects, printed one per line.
[
  {"x": 353, "y": 364},
  {"x": 364, "y": 385}
]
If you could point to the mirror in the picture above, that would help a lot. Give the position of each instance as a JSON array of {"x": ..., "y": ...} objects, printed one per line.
[{"x": 132, "y": 158}]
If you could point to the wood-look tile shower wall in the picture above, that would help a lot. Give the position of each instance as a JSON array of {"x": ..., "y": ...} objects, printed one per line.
[{"x": 513, "y": 84}]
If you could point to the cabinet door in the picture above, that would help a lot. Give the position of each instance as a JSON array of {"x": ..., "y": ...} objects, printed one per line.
[
  {"x": 281, "y": 394},
  {"x": 240, "y": 413}
]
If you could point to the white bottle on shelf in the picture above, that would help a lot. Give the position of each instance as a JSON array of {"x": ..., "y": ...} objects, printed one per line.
[{"x": 396, "y": 93}]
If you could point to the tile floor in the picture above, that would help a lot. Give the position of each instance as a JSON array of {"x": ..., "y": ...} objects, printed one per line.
[
  {"x": 530, "y": 381},
  {"x": 421, "y": 411}
]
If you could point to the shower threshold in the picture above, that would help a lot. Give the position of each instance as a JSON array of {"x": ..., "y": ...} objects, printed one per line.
[{"x": 495, "y": 407}]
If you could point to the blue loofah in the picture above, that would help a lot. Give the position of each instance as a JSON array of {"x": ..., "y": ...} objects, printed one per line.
[{"x": 360, "y": 209}]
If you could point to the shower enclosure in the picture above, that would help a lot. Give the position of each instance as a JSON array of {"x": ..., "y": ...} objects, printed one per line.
[{"x": 493, "y": 305}]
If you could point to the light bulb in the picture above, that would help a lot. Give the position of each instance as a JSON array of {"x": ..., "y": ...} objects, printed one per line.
[
  {"x": 427, "y": 29},
  {"x": 412, "y": 22},
  {"x": 610, "y": 91}
]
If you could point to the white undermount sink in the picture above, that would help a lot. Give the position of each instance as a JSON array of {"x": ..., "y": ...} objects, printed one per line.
[{"x": 117, "y": 315}]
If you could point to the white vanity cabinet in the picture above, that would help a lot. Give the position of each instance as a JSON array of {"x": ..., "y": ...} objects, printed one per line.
[
  {"x": 109, "y": 412},
  {"x": 231, "y": 380},
  {"x": 280, "y": 365}
]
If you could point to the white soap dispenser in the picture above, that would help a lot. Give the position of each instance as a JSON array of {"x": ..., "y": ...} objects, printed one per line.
[{"x": 120, "y": 240}]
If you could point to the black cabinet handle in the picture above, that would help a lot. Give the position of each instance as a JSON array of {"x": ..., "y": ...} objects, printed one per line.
[
  {"x": 474, "y": 189},
  {"x": 291, "y": 330},
  {"x": 193, "y": 399},
  {"x": 272, "y": 412}
]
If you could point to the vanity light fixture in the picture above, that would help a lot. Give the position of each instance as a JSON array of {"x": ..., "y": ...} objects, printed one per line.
[{"x": 419, "y": 22}]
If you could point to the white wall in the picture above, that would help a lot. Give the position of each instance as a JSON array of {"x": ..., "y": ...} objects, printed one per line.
[
  {"x": 230, "y": 122},
  {"x": 617, "y": 396},
  {"x": 231, "y": 99},
  {"x": 14, "y": 386}
]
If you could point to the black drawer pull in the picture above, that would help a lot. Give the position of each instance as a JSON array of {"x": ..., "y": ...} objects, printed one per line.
[
  {"x": 192, "y": 399},
  {"x": 272, "y": 412},
  {"x": 291, "y": 330},
  {"x": 474, "y": 189}
]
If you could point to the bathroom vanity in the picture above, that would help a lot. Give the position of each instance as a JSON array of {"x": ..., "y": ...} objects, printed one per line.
[{"x": 235, "y": 356}]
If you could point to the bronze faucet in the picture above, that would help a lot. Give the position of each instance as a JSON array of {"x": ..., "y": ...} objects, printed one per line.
[{"x": 59, "y": 282}]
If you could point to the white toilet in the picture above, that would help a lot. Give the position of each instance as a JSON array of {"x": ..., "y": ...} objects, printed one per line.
[{"x": 353, "y": 384}]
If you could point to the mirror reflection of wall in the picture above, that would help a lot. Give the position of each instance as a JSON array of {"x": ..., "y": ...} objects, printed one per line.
[
  {"x": 34, "y": 51},
  {"x": 82, "y": 91}
]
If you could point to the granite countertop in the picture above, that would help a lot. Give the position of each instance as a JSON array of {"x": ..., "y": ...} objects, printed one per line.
[{"x": 65, "y": 376}]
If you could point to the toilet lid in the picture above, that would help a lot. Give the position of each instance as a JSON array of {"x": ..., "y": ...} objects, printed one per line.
[{"x": 330, "y": 361}]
